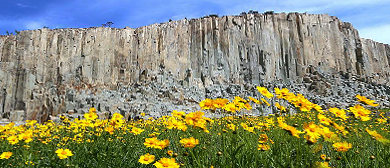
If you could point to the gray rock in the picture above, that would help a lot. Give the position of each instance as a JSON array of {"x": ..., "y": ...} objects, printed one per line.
[
  {"x": 17, "y": 115},
  {"x": 177, "y": 64}
]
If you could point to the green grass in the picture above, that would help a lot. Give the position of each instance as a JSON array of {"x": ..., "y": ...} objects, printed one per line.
[{"x": 219, "y": 146}]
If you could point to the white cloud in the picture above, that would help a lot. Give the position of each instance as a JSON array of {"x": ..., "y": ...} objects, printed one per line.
[
  {"x": 33, "y": 25},
  {"x": 366, "y": 16},
  {"x": 21, "y": 5},
  {"x": 363, "y": 14},
  {"x": 379, "y": 34},
  {"x": 324, "y": 6},
  {"x": 317, "y": 6}
]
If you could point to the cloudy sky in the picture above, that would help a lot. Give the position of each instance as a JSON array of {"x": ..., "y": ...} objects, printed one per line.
[{"x": 370, "y": 17}]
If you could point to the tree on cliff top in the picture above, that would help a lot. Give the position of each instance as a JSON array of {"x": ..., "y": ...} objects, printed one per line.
[{"x": 107, "y": 24}]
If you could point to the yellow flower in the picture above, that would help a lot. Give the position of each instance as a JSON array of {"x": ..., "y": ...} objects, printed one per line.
[
  {"x": 247, "y": 106},
  {"x": 173, "y": 123},
  {"x": 324, "y": 120},
  {"x": 312, "y": 130},
  {"x": 193, "y": 118},
  {"x": 263, "y": 147},
  {"x": 303, "y": 103},
  {"x": 310, "y": 139},
  {"x": 206, "y": 104},
  {"x": 117, "y": 116},
  {"x": 339, "y": 113},
  {"x": 109, "y": 130},
  {"x": 264, "y": 91},
  {"x": 151, "y": 142},
  {"x": 231, "y": 126},
  {"x": 378, "y": 136},
  {"x": 5, "y": 155},
  {"x": 239, "y": 99},
  {"x": 136, "y": 130},
  {"x": 329, "y": 135},
  {"x": 323, "y": 156},
  {"x": 366, "y": 101},
  {"x": 13, "y": 140},
  {"x": 142, "y": 114},
  {"x": 116, "y": 122},
  {"x": 321, "y": 165},
  {"x": 342, "y": 146},
  {"x": 178, "y": 113},
  {"x": 170, "y": 152},
  {"x": 219, "y": 103},
  {"x": 318, "y": 108},
  {"x": 270, "y": 122},
  {"x": 239, "y": 105},
  {"x": 31, "y": 122},
  {"x": 155, "y": 143},
  {"x": 381, "y": 120},
  {"x": 63, "y": 153},
  {"x": 360, "y": 112},
  {"x": 166, "y": 163},
  {"x": 263, "y": 138},
  {"x": 230, "y": 107},
  {"x": 248, "y": 128},
  {"x": 281, "y": 93},
  {"x": 292, "y": 130},
  {"x": 265, "y": 101},
  {"x": 26, "y": 136},
  {"x": 90, "y": 116},
  {"x": 29, "y": 163},
  {"x": 162, "y": 144},
  {"x": 254, "y": 100},
  {"x": 281, "y": 108},
  {"x": 92, "y": 110},
  {"x": 196, "y": 119},
  {"x": 290, "y": 97},
  {"x": 340, "y": 128},
  {"x": 146, "y": 159},
  {"x": 189, "y": 142}
]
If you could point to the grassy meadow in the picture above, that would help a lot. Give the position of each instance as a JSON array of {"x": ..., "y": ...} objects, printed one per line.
[{"x": 308, "y": 137}]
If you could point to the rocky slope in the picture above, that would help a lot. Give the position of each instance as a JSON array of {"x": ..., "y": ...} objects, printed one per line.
[{"x": 173, "y": 65}]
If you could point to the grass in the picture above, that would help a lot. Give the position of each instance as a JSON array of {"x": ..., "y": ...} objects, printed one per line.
[{"x": 234, "y": 140}]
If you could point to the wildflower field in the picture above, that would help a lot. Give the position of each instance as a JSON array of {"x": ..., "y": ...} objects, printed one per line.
[{"x": 308, "y": 137}]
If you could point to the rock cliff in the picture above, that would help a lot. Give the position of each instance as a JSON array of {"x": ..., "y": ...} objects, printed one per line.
[{"x": 45, "y": 72}]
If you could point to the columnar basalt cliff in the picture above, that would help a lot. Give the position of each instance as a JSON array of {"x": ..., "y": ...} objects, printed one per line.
[{"x": 43, "y": 71}]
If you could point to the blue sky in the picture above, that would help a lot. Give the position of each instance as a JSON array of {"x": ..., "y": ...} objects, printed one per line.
[{"x": 370, "y": 17}]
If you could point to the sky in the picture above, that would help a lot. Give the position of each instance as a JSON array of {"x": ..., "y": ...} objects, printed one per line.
[{"x": 370, "y": 17}]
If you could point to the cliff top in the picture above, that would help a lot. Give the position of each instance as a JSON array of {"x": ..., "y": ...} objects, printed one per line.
[{"x": 247, "y": 15}]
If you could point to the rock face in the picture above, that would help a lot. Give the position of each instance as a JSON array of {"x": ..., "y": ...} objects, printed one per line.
[{"x": 47, "y": 72}]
